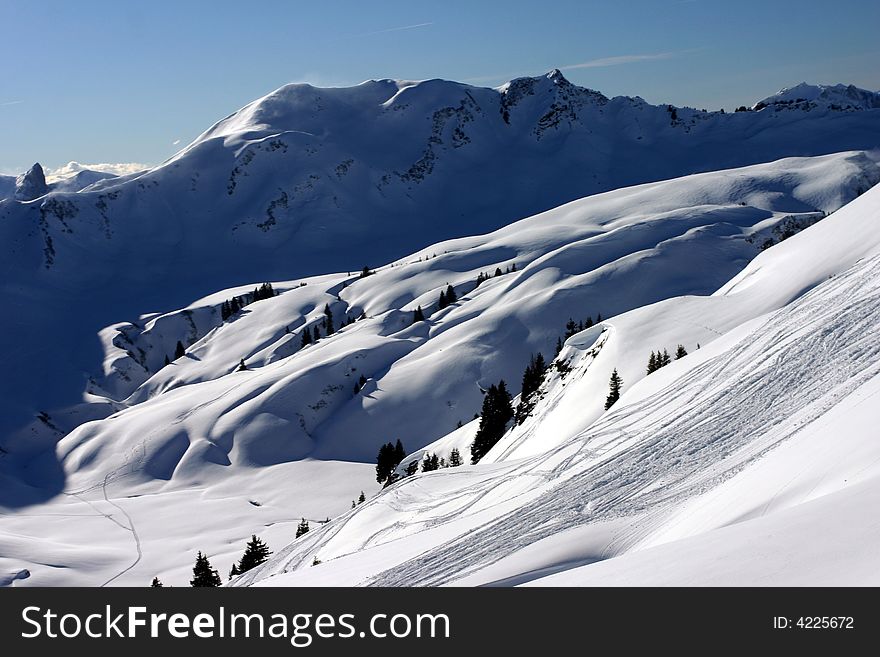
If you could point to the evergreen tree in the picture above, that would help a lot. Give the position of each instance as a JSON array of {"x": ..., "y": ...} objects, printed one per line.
[
  {"x": 430, "y": 463},
  {"x": 412, "y": 467},
  {"x": 224, "y": 311},
  {"x": 570, "y": 328},
  {"x": 531, "y": 381},
  {"x": 383, "y": 462},
  {"x": 157, "y": 583},
  {"x": 497, "y": 411},
  {"x": 234, "y": 306},
  {"x": 167, "y": 360},
  {"x": 387, "y": 460},
  {"x": 442, "y": 303},
  {"x": 450, "y": 295},
  {"x": 241, "y": 366},
  {"x": 680, "y": 352},
  {"x": 614, "y": 389},
  {"x": 588, "y": 323},
  {"x": 306, "y": 337},
  {"x": 418, "y": 315},
  {"x": 179, "y": 350},
  {"x": 366, "y": 272},
  {"x": 362, "y": 498},
  {"x": 558, "y": 347},
  {"x": 328, "y": 319},
  {"x": 203, "y": 574},
  {"x": 454, "y": 458},
  {"x": 498, "y": 271},
  {"x": 234, "y": 571},
  {"x": 316, "y": 334},
  {"x": 599, "y": 318},
  {"x": 255, "y": 553},
  {"x": 664, "y": 359},
  {"x": 303, "y": 527},
  {"x": 652, "y": 363}
]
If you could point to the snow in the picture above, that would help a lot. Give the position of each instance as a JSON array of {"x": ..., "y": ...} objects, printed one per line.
[
  {"x": 847, "y": 97},
  {"x": 750, "y": 461},
  {"x": 715, "y": 451}
]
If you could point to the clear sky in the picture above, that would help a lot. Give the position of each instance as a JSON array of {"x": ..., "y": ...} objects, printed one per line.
[{"x": 101, "y": 81}]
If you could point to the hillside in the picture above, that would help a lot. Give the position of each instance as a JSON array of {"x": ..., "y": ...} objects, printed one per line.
[
  {"x": 237, "y": 452},
  {"x": 748, "y": 461},
  {"x": 305, "y": 181}
]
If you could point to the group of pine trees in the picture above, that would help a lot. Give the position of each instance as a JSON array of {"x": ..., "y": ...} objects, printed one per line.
[
  {"x": 447, "y": 297},
  {"x": 387, "y": 460},
  {"x": 231, "y": 306},
  {"x": 302, "y": 528},
  {"x": 533, "y": 377},
  {"x": 482, "y": 276},
  {"x": 497, "y": 411},
  {"x": 204, "y": 575},
  {"x": 661, "y": 359},
  {"x": 572, "y": 327}
]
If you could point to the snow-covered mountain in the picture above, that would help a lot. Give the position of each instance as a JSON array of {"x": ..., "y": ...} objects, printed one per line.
[
  {"x": 103, "y": 423},
  {"x": 305, "y": 181},
  {"x": 838, "y": 97},
  {"x": 290, "y": 437},
  {"x": 751, "y": 461}
]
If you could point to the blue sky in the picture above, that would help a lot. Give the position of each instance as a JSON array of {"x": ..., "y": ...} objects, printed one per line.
[{"x": 109, "y": 82}]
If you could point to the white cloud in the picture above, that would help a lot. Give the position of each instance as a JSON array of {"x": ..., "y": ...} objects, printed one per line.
[
  {"x": 395, "y": 29},
  {"x": 72, "y": 168},
  {"x": 11, "y": 102},
  {"x": 175, "y": 142},
  {"x": 620, "y": 59}
]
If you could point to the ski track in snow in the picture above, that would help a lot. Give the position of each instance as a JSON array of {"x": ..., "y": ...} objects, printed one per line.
[{"x": 813, "y": 358}]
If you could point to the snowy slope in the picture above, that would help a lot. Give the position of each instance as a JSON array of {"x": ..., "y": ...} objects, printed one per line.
[
  {"x": 306, "y": 180},
  {"x": 740, "y": 452},
  {"x": 197, "y": 434}
]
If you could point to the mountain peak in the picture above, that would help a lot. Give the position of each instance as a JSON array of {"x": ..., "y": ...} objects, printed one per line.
[
  {"x": 837, "y": 96},
  {"x": 32, "y": 184}
]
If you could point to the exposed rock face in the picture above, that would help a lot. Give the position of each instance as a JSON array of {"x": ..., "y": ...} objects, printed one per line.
[{"x": 31, "y": 185}]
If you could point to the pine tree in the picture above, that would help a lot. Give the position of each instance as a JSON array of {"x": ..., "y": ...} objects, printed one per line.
[
  {"x": 442, "y": 303},
  {"x": 157, "y": 583},
  {"x": 498, "y": 271},
  {"x": 241, "y": 366},
  {"x": 306, "y": 337},
  {"x": 418, "y": 315},
  {"x": 383, "y": 462},
  {"x": 570, "y": 328},
  {"x": 599, "y": 318},
  {"x": 179, "y": 350},
  {"x": 328, "y": 319},
  {"x": 451, "y": 297},
  {"x": 234, "y": 571},
  {"x": 533, "y": 377},
  {"x": 430, "y": 463},
  {"x": 224, "y": 311},
  {"x": 664, "y": 359},
  {"x": 362, "y": 498},
  {"x": 303, "y": 527},
  {"x": 412, "y": 467},
  {"x": 203, "y": 574},
  {"x": 558, "y": 347},
  {"x": 399, "y": 453},
  {"x": 255, "y": 553},
  {"x": 680, "y": 352},
  {"x": 497, "y": 411},
  {"x": 652, "y": 363},
  {"x": 316, "y": 334},
  {"x": 454, "y": 458},
  {"x": 365, "y": 272},
  {"x": 167, "y": 360},
  {"x": 588, "y": 323},
  {"x": 614, "y": 389}
]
